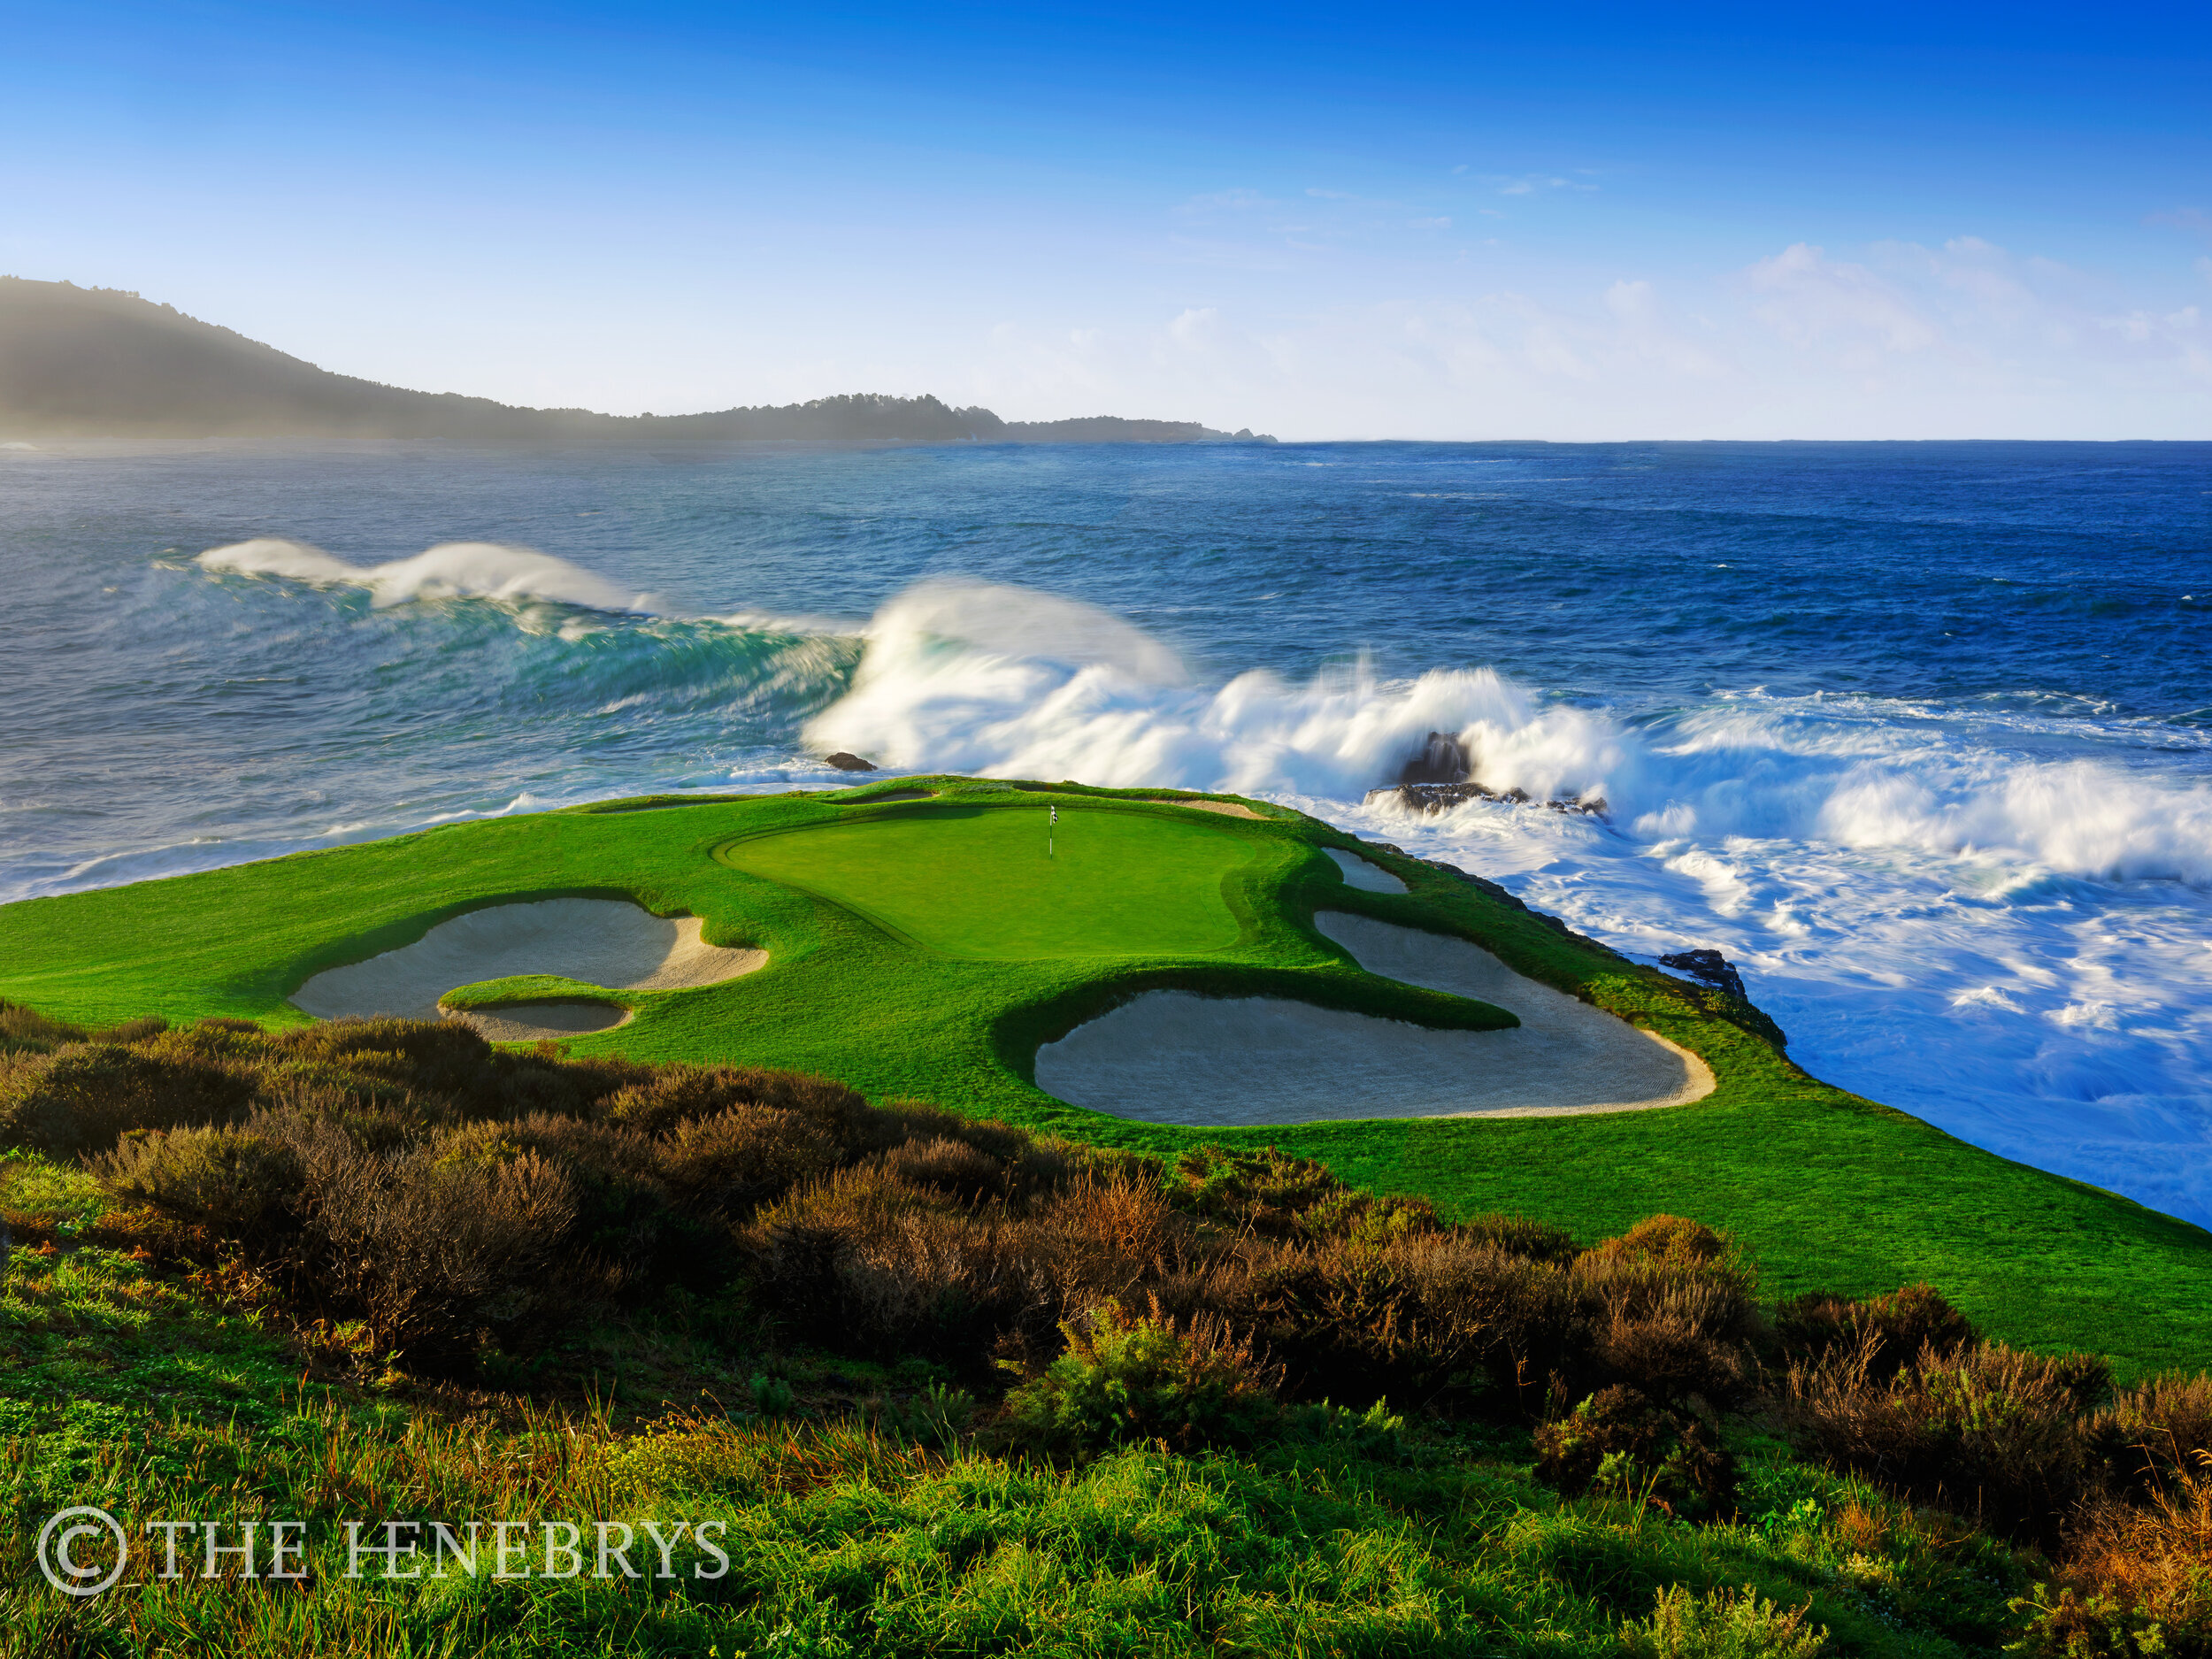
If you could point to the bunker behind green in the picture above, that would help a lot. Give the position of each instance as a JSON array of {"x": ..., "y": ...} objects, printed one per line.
[{"x": 994, "y": 882}]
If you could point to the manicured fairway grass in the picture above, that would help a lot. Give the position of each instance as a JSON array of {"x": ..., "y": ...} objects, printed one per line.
[
  {"x": 1827, "y": 1190},
  {"x": 1002, "y": 881}
]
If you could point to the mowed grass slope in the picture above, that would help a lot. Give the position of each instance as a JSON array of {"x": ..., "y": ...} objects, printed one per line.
[{"x": 934, "y": 974}]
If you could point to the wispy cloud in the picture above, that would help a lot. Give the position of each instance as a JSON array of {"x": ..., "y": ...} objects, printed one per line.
[
  {"x": 1224, "y": 201},
  {"x": 1531, "y": 183},
  {"x": 2194, "y": 219}
]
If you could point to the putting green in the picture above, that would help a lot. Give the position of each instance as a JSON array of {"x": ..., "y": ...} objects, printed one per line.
[{"x": 1000, "y": 882}]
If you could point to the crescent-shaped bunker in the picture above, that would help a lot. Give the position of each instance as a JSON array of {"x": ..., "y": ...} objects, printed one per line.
[{"x": 607, "y": 942}]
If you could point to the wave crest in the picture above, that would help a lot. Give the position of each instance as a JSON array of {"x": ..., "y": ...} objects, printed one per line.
[
  {"x": 1000, "y": 682},
  {"x": 483, "y": 569}
]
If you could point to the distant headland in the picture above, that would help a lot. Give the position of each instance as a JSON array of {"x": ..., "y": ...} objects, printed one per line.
[{"x": 105, "y": 363}]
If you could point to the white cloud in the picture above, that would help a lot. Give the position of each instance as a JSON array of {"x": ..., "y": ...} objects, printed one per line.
[{"x": 1811, "y": 298}]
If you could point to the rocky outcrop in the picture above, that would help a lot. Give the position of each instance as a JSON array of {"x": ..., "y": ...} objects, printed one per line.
[
  {"x": 1708, "y": 965},
  {"x": 1443, "y": 759},
  {"x": 1441, "y": 797},
  {"x": 848, "y": 762}
]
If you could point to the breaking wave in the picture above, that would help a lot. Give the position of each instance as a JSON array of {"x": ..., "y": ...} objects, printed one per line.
[
  {"x": 486, "y": 570},
  {"x": 998, "y": 681}
]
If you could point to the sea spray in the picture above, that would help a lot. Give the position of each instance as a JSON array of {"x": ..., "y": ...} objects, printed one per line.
[{"x": 485, "y": 570}]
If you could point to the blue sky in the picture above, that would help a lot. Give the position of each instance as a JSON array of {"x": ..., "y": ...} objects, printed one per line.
[{"x": 1466, "y": 222}]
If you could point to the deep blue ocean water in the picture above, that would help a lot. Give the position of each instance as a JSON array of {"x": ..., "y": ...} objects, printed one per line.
[{"x": 1919, "y": 735}]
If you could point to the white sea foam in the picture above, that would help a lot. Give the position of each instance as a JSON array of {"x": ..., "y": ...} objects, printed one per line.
[
  {"x": 487, "y": 570},
  {"x": 1030, "y": 685}
]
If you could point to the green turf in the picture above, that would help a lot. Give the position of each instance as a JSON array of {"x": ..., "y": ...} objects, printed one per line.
[
  {"x": 1829, "y": 1190},
  {"x": 1002, "y": 881}
]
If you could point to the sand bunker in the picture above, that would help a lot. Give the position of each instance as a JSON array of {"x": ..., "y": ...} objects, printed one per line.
[
  {"x": 1227, "y": 808},
  {"x": 606, "y": 942},
  {"x": 534, "y": 1022},
  {"x": 1169, "y": 1056},
  {"x": 888, "y": 795},
  {"x": 1369, "y": 877}
]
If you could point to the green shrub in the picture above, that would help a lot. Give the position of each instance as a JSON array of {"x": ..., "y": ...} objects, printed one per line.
[
  {"x": 1617, "y": 1444},
  {"x": 1276, "y": 1196},
  {"x": 1144, "y": 1380},
  {"x": 1723, "y": 1625}
]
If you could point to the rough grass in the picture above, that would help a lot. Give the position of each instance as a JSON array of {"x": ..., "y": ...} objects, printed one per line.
[
  {"x": 1179, "y": 1509},
  {"x": 1832, "y": 1193},
  {"x": 856, "y": 1534}
]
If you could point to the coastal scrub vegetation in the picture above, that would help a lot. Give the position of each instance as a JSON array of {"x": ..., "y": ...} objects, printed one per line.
[{"x": 952, "y": 1386}]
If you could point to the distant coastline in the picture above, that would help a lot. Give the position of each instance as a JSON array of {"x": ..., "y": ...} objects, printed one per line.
[{"x": 88, "y": 363}]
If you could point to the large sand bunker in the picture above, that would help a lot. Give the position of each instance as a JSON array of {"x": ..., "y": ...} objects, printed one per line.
[
  {"x": 608, "y": 942},
  {"x": 1169, "y": 1056}
]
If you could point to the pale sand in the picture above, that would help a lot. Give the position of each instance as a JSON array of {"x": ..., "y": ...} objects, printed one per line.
[
  {"x": 1366, "y": 876},
  {"x": 1227, "y": 808},
  {"x": 1168, "y": 1056},
  {"x": 606, "y": 942},
  {"x": 533, "y": 1022}
]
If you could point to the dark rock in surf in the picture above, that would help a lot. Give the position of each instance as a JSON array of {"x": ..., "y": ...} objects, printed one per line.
[
  {"x": 1443, "y": 759},
  {"x": 1441, "y": 797},
  {"x": 1710, "y": 967},
  {"x": 848, "y": 762}
]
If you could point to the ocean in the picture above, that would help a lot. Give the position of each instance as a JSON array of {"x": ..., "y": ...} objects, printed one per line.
[{"x": 1920, "y": 735}]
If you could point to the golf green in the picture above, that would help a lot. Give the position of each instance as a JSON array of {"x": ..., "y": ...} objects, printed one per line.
[{"x": 1005, "y": 883}]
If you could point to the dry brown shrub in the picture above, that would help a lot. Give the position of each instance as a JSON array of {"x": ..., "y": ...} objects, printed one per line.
[
  {"x": 1667, "y": 1238},
  {"x": 1990, "y": 1432},
  {"x": 79, "y": 1099},
  {"x": 242, "y": 1185},
  {"x": 1522, "y": 1236},
  {"x": 1902, "y": 1323},
  {"x": 727, "y": 1164},
  {"x": 1119, "y": 1231},
  {"x": 864, "y": 1260},
  {"x": 437, "y": 1254},
  {"x": 952, "y": 1167},
  {"x": 2152, "y": 1431},
  {"x": 2136, "y": 1582},
  {"x": 673, "y": 1095},
  {"x": 1672, "y": 1324}
]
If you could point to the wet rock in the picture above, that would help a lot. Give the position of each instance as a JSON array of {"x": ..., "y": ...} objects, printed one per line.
[
  {"x": 1443, "y": 759},
  {"x": 848, "y": 762},
  {"x": 1441, "y": 797},
  {"x": 1709, "y": 967}
]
